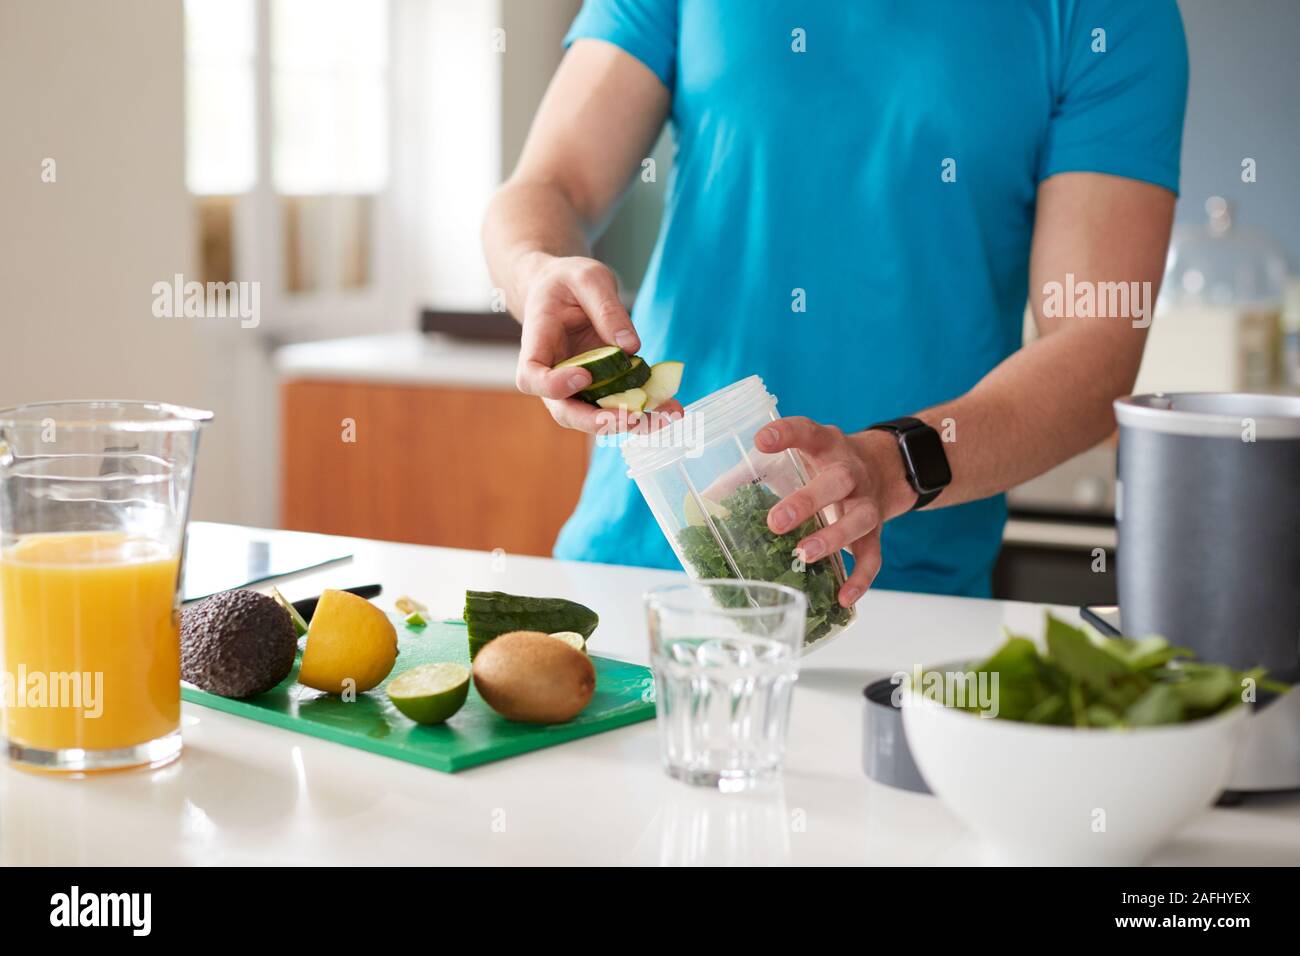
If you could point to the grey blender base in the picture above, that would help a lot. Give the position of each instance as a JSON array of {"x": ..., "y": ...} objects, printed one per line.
[{"x": 885, "y": 755}]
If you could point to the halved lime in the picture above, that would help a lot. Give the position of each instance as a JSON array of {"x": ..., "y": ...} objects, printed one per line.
[
  {"x": 299, "y": 625},
  {"x": 430, "y": 693},
  {"x": 572, "y": 638}
]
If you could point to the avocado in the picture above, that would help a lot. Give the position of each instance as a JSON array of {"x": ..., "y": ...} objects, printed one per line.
[{"x": 237, "y": 644}]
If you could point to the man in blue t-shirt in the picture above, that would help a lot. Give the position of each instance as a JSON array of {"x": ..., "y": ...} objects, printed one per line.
[{"x": 864, "y": 197}]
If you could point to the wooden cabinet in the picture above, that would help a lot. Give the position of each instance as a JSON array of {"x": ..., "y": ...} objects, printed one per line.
[{"x": 465, "y": 468}]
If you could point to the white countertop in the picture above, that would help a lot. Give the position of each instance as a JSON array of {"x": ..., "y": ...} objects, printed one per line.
[
  {"x": 405, "y": 358},
  {"x": 248, "y": 793}
]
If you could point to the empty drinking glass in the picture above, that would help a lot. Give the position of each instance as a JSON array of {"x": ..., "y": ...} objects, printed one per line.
[{"x": 725, "y": 656}]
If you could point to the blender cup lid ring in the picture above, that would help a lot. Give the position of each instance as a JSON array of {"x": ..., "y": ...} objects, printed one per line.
[
  {"x": 703, "y": 423},
  {"x": 113, "y": 414}
]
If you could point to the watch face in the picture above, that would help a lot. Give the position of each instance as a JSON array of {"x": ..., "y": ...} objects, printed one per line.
[{"x": 926, "y": 458}]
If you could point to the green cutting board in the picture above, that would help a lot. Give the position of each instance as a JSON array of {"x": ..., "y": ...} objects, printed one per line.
[{"x": 475, "y": 735}]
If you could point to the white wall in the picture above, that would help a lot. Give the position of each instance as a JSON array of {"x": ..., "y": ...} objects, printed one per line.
[{"x": 97, "y": 88}]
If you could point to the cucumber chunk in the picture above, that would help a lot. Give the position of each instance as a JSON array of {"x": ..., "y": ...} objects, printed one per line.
[
  {"x": 603, "y": 363},
  {"x": 492, "y": 613},
  {"x": 694, "y": 517},
  {"x": 631, "y": 401},
  {"x": 665, "y": 379},
  {"x": 636, "y": 376}
]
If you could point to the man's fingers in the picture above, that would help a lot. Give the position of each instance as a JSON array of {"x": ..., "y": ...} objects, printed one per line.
[
  {"x": 670, "y": 410},
  {"x": 828, "y": 486},
  {"x": 596, "y": 290},
  {"x": 866, "y": 565},
  {"x": 797, "y": 432},
  {"x": 575, "y": 414},
  {"x": 550, "y": 330},
  {"x": 655, "y": 419},
  {"x": 537, "y": 378},
  {"x": 543, "y": 343},
  {"x": 857, "y": 521},
  {"x": 582, "y": 417}
]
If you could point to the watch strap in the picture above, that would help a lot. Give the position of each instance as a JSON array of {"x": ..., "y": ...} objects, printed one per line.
[{"x": 923, "y": 498}]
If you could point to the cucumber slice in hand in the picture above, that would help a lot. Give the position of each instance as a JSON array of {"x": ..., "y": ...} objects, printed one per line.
[
  {"x": 632, "y": 401},
  {"x": 603, "y": 363},
  {"x": 665, "y": 379},
  {"x": 636, "y": 376}
]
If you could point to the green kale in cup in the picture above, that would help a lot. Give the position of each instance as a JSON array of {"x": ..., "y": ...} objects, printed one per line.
[{"x": 760, "y": 555}]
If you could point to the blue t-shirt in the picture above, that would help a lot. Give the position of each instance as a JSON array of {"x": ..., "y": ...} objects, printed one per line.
[{"x": 877, "y": 162}]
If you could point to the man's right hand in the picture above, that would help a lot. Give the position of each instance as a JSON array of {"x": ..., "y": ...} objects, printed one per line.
[{"x": 571, "y": 305}]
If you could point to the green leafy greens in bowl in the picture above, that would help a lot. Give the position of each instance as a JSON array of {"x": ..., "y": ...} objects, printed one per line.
[
  {"x": 1084, "y": 679},
  {"x": 761, "y": 555}
]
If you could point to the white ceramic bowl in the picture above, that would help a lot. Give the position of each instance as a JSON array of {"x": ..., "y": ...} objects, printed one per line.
[{"x": 1043, "y": 795}]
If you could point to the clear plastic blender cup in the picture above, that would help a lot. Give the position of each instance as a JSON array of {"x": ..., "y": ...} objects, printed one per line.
[
  {"x": 710, "y": 490},
  {"x": 93, "y": 504}
]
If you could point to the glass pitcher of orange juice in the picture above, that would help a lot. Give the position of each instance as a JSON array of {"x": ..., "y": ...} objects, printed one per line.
[{"x": 93, "y": 505}]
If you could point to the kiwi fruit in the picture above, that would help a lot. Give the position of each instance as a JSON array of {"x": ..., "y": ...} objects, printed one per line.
[
  {"x": 237, "y": 644},
  {"x": 530, "y": 677}
]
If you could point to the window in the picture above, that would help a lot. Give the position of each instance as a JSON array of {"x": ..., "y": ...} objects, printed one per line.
[
  {"x": 329, "y": 61},
  {"x": 220, "y": 125},
  {"x": 287, "y": 148}
]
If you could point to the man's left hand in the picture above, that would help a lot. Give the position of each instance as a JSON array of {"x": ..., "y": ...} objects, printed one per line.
[{"x": 861, "y": 475}]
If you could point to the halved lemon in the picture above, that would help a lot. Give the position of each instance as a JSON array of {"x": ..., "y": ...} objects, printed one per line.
[{"x": 351, "y": 645}]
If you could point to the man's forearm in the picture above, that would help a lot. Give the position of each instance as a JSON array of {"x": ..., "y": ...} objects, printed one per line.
[
  {"x": 525, "y": 224},
  {"x": 1043, "y": 405},
  {"x": 599, "y": 117}
]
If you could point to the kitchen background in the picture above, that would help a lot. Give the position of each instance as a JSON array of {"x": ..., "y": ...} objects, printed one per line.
[{"x": 340, "y": 152}]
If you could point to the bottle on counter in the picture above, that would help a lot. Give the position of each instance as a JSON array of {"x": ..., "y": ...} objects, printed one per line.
[
  {"x": 1218, "y": 323},
  {"x": 1291, "y": 336}
]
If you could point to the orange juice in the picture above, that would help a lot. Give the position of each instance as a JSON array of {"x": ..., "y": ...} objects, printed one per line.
[{"x": 91, "y": 638}]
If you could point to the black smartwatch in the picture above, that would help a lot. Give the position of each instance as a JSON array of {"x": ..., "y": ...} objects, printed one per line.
[{"x": 924, "y": 460}]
